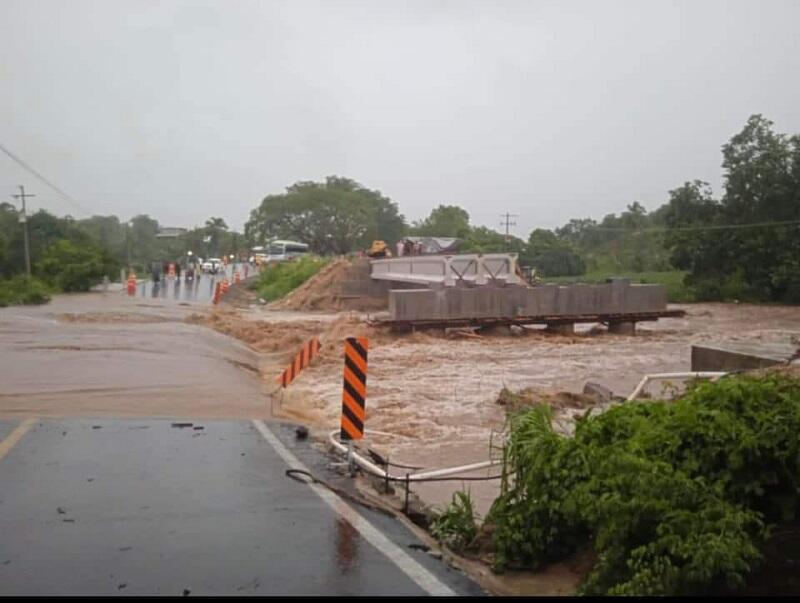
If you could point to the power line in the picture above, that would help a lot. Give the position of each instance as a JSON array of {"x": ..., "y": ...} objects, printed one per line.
[
  {"x": 694, "y": 228},
  {"x": 44, "y": 180}
]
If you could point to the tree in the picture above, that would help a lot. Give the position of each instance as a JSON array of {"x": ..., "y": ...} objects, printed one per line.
[
  {"x": 332, "y": 217},
  {"x": 724, "y": 245},
  {"x": 73, "y": 267},
  {"x": 444, "y": 221},
  {"x": 552, "y": 256}
]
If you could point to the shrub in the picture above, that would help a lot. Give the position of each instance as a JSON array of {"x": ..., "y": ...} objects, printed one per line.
[
  {"x": 71, "y": 267},
  {"x": 22, "y": 290},
  {"x": 455, "y": 526},
  {"x": 675, "y": 498},
  {"x": 278, "y": 279}
]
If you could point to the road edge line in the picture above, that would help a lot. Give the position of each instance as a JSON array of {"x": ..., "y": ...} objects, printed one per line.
[
  {"x": 411, "y": 568},
  {"x": 15, "y": 436}
]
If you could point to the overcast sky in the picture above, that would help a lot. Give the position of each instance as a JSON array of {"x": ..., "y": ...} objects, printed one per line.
[{"x": 548, "y": 110}]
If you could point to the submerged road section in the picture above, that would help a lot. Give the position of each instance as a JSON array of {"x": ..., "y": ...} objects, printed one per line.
[{"x": 143, "y": 506}]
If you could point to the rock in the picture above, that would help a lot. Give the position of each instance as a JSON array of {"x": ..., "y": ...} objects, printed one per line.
[{"x": 600, "y": 392}]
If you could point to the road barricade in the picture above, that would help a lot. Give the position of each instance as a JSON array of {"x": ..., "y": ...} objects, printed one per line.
[
  {"x": 303, "y": 358},
  {"x": 354, "y": 390}
]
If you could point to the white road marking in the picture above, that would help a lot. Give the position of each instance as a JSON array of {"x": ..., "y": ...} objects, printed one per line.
[
  {"x": 15, "y": 436},
  {"x": 422, "y": 577}
]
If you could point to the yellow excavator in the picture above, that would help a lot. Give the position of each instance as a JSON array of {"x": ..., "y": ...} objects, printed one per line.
[{"x": 379, "y": 249}]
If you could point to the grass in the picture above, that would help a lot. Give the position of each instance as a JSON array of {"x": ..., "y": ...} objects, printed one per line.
[
  {"x": 278, "y": 279},
  {"x": 21, "y": 290},
  {"x": 672, "y": 280}
]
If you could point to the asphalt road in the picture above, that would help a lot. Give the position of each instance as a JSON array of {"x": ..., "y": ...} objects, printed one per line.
[{"x": 143, "y": 506}]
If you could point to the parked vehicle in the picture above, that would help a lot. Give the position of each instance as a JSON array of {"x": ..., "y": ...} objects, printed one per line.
[
  {"x": 280, "y": 251},
  {"x": 212, "y": 265}
]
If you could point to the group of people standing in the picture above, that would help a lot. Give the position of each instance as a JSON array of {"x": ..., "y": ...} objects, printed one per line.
[{"x": 408, "y": 247}]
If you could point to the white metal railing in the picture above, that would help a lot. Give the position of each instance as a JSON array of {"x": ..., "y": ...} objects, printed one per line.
[{"x": 448, "y": 269}]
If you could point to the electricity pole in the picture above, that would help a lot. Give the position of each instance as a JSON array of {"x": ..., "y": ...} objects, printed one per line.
[
  {"x": 508, "y": 223},
  {"x": 24, "y": 219}
]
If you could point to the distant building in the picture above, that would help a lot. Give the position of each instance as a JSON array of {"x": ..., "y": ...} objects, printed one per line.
[{"x": 169, "y": 232}]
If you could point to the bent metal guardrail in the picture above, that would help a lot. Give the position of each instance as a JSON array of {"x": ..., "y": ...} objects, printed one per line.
[{"x": 448, "y": 269}]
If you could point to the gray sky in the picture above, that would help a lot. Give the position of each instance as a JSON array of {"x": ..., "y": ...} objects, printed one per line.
[{"x": 549, "y": 110}]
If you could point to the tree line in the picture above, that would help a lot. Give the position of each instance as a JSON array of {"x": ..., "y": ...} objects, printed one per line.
[{"x": 743, "y": 245}]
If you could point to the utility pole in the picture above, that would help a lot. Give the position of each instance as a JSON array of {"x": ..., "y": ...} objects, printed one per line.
[
  {"x": 508, "y": 223},
  {"x": 24, "y": 219}
]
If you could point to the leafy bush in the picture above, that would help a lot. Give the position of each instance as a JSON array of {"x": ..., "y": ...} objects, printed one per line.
[
  {"x": 455, "y": 526},
  {"x": 675, "y": 498},
  {"x": 22, "y": 290},
  {"x": 278, "y": 279},
  {"x": 72, "y": 267}
]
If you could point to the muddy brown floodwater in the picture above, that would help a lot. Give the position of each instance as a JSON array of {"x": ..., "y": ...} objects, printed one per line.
[
  {"x": 439, "y": 395},
  {"x": 109, "y": 355}
]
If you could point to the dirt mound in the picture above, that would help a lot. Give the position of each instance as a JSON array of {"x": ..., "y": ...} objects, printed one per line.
[{"x": 320, "y": 292}]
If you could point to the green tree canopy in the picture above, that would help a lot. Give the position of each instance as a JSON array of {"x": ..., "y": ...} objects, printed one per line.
[
  {"x": 741, "y": 246},
  {"x": 444, "y": 221},
  {"x": 332, "y": 217}
]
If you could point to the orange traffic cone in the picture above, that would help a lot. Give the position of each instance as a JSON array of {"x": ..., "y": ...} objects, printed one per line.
[{"x": 132, "y": 283}]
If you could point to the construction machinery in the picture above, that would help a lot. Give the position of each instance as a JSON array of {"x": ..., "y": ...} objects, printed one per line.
[{"x": 379, "y": 249}]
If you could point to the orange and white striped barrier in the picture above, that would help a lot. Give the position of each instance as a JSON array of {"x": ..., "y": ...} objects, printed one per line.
[
  {"x": 132, "y": 283},
  {"x": 303, "y": 358},
  {"x": 354, "y": 391}
]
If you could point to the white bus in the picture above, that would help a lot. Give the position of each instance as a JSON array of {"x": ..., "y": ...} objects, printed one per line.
[{"x": 280, "y": 251}]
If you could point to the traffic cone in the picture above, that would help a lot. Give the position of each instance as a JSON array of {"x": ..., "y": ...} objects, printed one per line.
[
  {"x": 236, "y": 278},
  {"x": 217, "y": 293}
]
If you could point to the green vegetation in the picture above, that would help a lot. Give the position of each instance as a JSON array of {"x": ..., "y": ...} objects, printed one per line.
[
  {"x": 22, "y": 290},
  {"x": 278, "y": 279},
  {"x": 674, "y": 497},
  {"x": 70, "y": 267},
  {"x": 333, "y": 217},
  {"x": 673, "y": 281},
  {"x": 455, "y": 526}
]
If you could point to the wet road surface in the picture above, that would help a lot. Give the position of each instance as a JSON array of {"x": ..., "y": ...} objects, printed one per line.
[
  {"x": 199, "y": 289},
  {"x": 144, "y": 507}
]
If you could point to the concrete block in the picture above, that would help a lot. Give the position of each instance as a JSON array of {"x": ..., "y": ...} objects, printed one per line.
[{"x": 736, "y": 357}]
